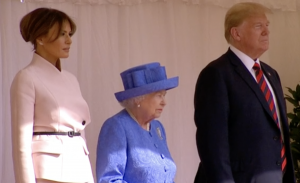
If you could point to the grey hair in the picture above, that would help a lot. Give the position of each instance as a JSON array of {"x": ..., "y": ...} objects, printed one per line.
[{"x": 131, "y": 102}]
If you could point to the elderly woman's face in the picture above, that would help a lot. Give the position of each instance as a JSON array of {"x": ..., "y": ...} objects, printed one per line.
[{"x": 153, "y": 104}]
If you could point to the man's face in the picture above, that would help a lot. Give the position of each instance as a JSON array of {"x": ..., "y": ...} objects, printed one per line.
[{"x": 254, "y": 35}]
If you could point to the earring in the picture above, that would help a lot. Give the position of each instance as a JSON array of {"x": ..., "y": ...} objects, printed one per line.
[{"x": 139, "y": 105}]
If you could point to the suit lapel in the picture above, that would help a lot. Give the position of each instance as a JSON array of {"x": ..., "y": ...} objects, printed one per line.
[
  {"x": 273, "y": 83},
  {"x": 241, "y": 69},
  {"x": 277, "y": 91}
]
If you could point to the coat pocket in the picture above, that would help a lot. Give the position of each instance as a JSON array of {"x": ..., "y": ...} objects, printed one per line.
[
  {"x": 47, "y": 159},
  {"x": 51, "y": 147},
  {"x": 242, "y": 165}
]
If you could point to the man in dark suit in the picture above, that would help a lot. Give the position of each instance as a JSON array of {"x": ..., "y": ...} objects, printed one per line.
[{"x": 240, "y": 113}]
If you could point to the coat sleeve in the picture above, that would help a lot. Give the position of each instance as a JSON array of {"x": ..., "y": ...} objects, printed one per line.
[
  {"x": 111, "y": 153},
  {"x": 22, "y": 95},
  {"x": 211, "y": 118}
]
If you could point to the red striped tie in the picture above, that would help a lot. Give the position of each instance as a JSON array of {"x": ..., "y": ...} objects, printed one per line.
[{"x": 268, "y": 95}]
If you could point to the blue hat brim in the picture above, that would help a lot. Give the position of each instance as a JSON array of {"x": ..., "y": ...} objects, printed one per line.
[{"x": 146, "y": 89}]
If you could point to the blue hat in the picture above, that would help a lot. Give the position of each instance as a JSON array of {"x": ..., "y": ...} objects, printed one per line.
[{"x": 145, "y": 79}]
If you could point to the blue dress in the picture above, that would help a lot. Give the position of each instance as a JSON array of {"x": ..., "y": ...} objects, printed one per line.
[{"x": 126, "y": 153}]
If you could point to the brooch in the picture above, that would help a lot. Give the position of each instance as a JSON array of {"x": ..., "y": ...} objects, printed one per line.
[{"x": 159, "y": 133}]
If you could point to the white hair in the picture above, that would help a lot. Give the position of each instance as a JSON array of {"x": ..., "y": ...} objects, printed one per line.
[{"x": 131, "y": 102}]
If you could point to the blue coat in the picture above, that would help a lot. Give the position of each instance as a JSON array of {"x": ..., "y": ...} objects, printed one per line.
[{"x": 126, "y": 153}]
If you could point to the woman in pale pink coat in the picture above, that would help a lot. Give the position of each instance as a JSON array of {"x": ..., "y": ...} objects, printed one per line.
[{"x": 48, "y": 111}]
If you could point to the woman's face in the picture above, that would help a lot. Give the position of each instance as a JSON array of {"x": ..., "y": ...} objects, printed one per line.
[
  {"x": 52, "y": 49},
  {"x": 152, "y": 105}
]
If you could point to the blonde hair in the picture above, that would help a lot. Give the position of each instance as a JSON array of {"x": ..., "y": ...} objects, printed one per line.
[{"x": 239, "y": 12}]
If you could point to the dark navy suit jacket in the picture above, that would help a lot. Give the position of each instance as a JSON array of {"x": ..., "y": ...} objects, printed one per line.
[{"x": 238, "y": 141}]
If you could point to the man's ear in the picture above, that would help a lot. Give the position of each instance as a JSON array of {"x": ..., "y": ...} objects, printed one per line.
[{"x": 235, "y": 33}]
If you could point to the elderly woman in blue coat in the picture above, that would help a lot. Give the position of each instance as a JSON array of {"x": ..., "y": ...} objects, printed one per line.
[{"x": 132, "y": 146}]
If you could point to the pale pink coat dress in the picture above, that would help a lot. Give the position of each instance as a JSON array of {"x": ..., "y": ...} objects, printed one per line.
[{"x": 46, "y": 99}]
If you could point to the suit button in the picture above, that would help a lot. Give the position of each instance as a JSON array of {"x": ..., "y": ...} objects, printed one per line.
[
  {"x": 83, "y": 122},
  {"x": 278, "y": 163},
  {"x": 275, "y": 138}
]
